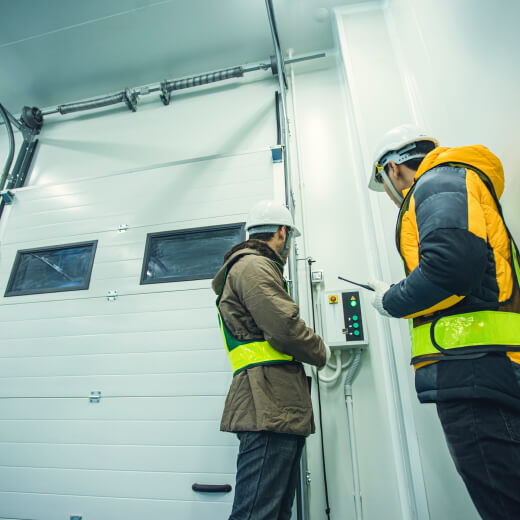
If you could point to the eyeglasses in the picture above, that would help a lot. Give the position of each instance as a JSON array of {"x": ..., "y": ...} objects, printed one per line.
[{"x": 378, "y": 176}]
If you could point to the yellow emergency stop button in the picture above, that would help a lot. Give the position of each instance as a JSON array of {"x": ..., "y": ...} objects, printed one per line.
[{"x": 333, "y": 298}]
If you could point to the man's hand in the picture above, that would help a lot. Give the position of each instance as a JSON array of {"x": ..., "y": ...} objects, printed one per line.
[{"x": 380, "y": 289}]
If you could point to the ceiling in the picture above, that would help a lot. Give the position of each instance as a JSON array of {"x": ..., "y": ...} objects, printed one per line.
[{"x": 58, "y": 51}]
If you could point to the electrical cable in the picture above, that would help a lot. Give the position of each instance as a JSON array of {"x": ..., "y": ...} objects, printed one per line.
[
  {"x": 10, "y": 156},
  {"x": 327, "y": 510}
]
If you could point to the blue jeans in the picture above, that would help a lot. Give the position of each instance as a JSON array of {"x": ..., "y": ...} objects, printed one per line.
[
  {"x": 484, "y": 441},
  {"x": 267, "y": 469}
]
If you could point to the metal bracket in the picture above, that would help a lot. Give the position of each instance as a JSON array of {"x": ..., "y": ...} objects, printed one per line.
[
  {"x": 308, "y": 478},
  {"x": 122, "y": 228},
  {"x": 277, "y": 154},
  {"x": 31, "y": 121},
  {"x": 131, "y": 97},
  {"x": 76, "y": 517},
  {"x": 165, "y": 94},
  {"x": 7, "y": 197},
  {"x": 94, "y": 397},
  {"x": 274, "y": 65},
  {"x": 112, "y": 296}
]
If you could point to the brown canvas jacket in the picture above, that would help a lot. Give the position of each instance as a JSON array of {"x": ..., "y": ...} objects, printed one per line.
[{"x": 255, "y": 305}]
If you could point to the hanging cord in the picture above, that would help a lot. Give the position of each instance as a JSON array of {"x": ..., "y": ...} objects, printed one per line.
[
  {"x": 310, "y": 261},
  {"x": 10, "y": 156},
  {"x": 10, "y": 134}
]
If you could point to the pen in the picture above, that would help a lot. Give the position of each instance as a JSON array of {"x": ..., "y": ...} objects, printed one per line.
[{"x": 356, "y": 283}]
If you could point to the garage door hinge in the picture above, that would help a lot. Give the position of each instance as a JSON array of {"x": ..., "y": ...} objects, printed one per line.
[
  {"x": 112, "y": 296},
  {"x": 94, "y": 397},
  {"x": 76, "y": 517}
]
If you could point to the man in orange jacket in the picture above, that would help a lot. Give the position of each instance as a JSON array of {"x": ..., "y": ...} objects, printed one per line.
[{"x": 462, "y": 292}]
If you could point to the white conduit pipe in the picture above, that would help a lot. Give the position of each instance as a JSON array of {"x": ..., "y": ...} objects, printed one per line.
[{"x": 351, "y": 372}]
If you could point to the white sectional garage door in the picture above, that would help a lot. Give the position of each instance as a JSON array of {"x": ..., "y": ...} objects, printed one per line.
[{"x": 153, "y": 351}]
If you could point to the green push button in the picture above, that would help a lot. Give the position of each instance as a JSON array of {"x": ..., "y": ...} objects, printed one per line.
[
  {"x": 355, "y": 317},
  {"x": 356, "y": 333},
  {"x": 356, "y": 325},
  {"x": 353, "y": 303}
]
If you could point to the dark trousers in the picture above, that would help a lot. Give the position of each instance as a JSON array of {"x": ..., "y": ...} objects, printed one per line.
[
  {"x": 267, "y": 468},
  {"x": 484, "y": 441}
]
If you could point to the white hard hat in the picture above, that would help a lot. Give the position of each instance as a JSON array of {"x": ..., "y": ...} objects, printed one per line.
[
  {"x": 397, "y": 145},
  {"x": 270, "y": 213}
]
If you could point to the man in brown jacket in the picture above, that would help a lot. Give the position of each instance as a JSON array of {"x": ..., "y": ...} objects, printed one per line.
[{"x": 268, "y": 404}]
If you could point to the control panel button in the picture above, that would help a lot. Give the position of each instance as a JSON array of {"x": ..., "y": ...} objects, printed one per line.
[
  {"x": 333, "y": 298},
  {"x": 352, "y": 315}
]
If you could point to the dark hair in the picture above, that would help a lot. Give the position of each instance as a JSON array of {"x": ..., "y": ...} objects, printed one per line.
[
  {"x": 424, "y": 147},
  {"x": 264, "y": 237}
]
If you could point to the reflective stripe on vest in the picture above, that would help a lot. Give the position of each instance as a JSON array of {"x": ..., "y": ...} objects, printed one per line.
[
  {"x": 246, "y": 354},
  {"x": 488, "y": 329}
]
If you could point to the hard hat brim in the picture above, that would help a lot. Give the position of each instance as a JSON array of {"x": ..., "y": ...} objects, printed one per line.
[
  {"x": 374, "y": 184},
  {"x": 296, "y": 232}
]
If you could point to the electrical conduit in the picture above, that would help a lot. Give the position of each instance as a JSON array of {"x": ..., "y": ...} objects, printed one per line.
[{"x": 349, "y": 377}]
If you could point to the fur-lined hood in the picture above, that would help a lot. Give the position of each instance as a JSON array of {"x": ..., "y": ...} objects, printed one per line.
[{"x": 249, "y": 247}]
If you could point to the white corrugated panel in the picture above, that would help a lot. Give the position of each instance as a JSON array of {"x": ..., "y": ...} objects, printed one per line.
[{"x": 154, "y": 353}]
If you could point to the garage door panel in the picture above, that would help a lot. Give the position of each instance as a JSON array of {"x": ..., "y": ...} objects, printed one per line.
[
  {"x": 196, "y": 383},
  {"x": 131, "y": 342},
  {"x": 201, "y": 172},
  {"x": 210, "y": 209},
  {"x": 180, "y": 408},
  {"x": 24, "y": 506},
  {"x": 114, "y": 484},
  {"x": 109, "y": 209},
  {"x": 177, "y": 459},
  {"x": 116, "y": 364},
  {"x": 197, "y": 318},
  {"x": 110, "y": 432},
  {"x": 171, "y": 299}
]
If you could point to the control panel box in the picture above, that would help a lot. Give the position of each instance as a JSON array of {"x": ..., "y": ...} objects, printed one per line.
[{"x": 343, "y": 323}]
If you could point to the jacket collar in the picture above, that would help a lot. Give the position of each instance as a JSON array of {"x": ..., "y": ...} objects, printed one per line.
[
  {"x": 249, "y": 247},
  {"x": 475, "y": 155}
]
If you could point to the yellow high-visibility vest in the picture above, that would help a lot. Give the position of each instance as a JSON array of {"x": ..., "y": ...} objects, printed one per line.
[
  {"x": 247, "y": 354},
  {"x": 447, "y": 333}
]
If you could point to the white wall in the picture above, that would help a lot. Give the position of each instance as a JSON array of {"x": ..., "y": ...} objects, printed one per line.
[
  {"x": 446, "y": 65},
  {"x": 460, "y": 59},
  {"x": 337, "y": 239}
]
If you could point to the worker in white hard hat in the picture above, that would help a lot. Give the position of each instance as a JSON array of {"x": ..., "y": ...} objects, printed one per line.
[
  {"x": 462, "y": 292},
  {"x": 268, "y": 405}
]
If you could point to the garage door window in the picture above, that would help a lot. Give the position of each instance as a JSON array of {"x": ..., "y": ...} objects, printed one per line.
[
  {"x": 52, "y": 269},
  {"x": 188, "y": 254}
]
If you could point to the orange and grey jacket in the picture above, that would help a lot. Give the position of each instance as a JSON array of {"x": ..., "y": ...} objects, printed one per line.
[{"x": 461, "y": 289}]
